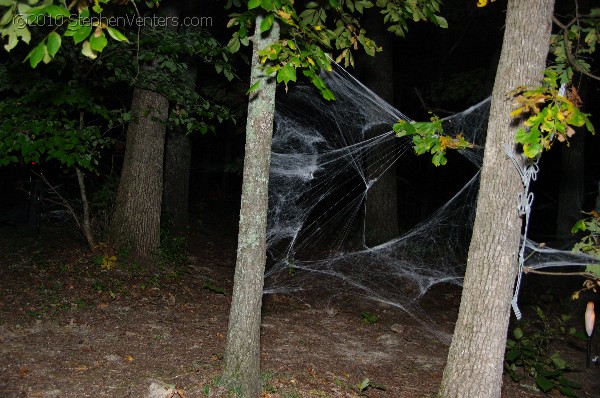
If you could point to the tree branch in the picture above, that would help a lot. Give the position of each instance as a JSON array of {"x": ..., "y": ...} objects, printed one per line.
[{"x": 568, "y": 52}]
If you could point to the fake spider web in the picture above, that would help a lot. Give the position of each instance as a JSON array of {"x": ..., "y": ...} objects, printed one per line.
[{"x": 319, "y": 184}]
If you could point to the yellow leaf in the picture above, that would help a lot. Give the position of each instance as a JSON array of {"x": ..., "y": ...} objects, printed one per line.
[
  {"x": 130, "y": 358},
  {"x": 284, "y": 15},
  {"x": 516, "y": 112},
  {"x": 318, "y": 27},
  {"x": 481, "y": 3},
  {"x": 310, "y": 61}
]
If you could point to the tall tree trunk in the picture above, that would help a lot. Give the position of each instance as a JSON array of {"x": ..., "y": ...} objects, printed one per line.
[
  {"x": 176, "y": 179},
  {"x": 381, "y": 212},
  {"x": 136, "y": 221},
  {"x": 242, "y": 352},
  {"x": 135, "y": 225},
  {"x": 475, "y": 360},
  {"x": 571, "y": 191}
]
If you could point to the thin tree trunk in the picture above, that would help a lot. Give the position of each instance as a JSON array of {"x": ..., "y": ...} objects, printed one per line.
[
  {"x": 571, "y": 191},
  {"x": 381, "y": 212},
  {"x": 176, "y": 179},
  {"x": 475, "y": 360},
  {"x": 136, "y": 222},
  {"x": 242, "y": 352},
  {"x": 86, "y": 226}
]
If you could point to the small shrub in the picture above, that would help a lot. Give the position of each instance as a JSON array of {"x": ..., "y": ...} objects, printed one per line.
[{"x": 528, "y": 356}]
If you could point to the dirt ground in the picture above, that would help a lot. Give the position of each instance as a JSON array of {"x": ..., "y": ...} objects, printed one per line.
[{"x": 71, "y": 328}]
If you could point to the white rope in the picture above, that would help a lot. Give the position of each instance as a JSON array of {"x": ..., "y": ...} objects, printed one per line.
[{"x": 528, "y": 169}]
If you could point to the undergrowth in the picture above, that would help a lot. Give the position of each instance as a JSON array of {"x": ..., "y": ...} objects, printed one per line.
[{"x": 529, "y": 356}]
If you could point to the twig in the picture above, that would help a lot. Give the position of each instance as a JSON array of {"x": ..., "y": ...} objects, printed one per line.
[
  {"x": 63, "y": 201},
  {"x": 572, "y": 60},
  {"x": 529, "y": 270},
  {"x": 423, "y": 104}
]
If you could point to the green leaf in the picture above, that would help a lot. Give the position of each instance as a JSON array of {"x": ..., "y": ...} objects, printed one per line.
[
  {"x": 82, "y": 33},
  {"x": 214, "y": 289},
  {"x": 579, "y": 226},
  {"x": 86, "y": 49},
  {"x": 98, "y": 42},
  {"x": 518, "y": 333},
  {"x": 116, "y": 34},
  {"x": 53, "y": 43},
  {"x": 253, "y": 87},
  {"x": 14, "y": 31},
  {"x": 55, "y": 11},
  {"x": 36, "y": 55},
  {"x": 532, "y": 150},
  {"x": 441, "y": 21},
  {"x": 266, "y": 23},
  {"x": 286, "y": 74},
  {"x": 439, "y": 159},
  {"x": 7, "y": 17},
  {"x": 566, "y": 391},
  {"x": 363, "y": 385},
  {"x": 369, "y": 318},
  {"x": 253, "y": 4},
  {"x": 512, "y": 355},
  {"x": 568, "y": 383},
  {"x": 543, "y": 383},
  {"x": 234, "y": 44},
  {"x": 558, "y": 362},
  {"x": 267, "y": 5},
  {"x": 594, "y": 269}
]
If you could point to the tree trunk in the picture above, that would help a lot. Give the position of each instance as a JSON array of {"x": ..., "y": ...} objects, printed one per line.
[
  {"x": 475, "y": 360},
  {"x": 86, "y": 225},
  {"x": 242, "y": 352},
  {"x": 381, "y": 212},
  {"x": 571, "y": 191},
  {"x": 136, "y": 222},
  {"x": 176, "y": 179}
]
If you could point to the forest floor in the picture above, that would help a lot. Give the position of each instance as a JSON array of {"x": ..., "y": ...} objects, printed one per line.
[{"x": 71, "y": 328}]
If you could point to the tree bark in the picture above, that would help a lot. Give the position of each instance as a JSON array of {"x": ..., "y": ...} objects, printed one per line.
[
  {"x": 475, "y": 360},
  {"x": 176, "y": 180},
  {"x": 381, "y": 207},
  {"x": 571, "y": 191},
  {"x": 86, "y": 225},
  {"x": 136, "y": 222},
  {"x": 242, "y": 351}
]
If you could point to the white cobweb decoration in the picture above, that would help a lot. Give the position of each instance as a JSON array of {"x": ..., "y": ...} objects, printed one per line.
[{"x": 318, "y": 188}]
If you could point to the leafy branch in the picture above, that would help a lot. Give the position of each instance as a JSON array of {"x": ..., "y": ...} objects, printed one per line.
[
  {"x": 550, "y": 115},
  {"x": 429, "y": 137},
  {"x": 86, "y": 27},
  {"x": 590, "y": 245},
  {"x": 321, "y": 28},
  {"x": 576, "y": 40}
]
